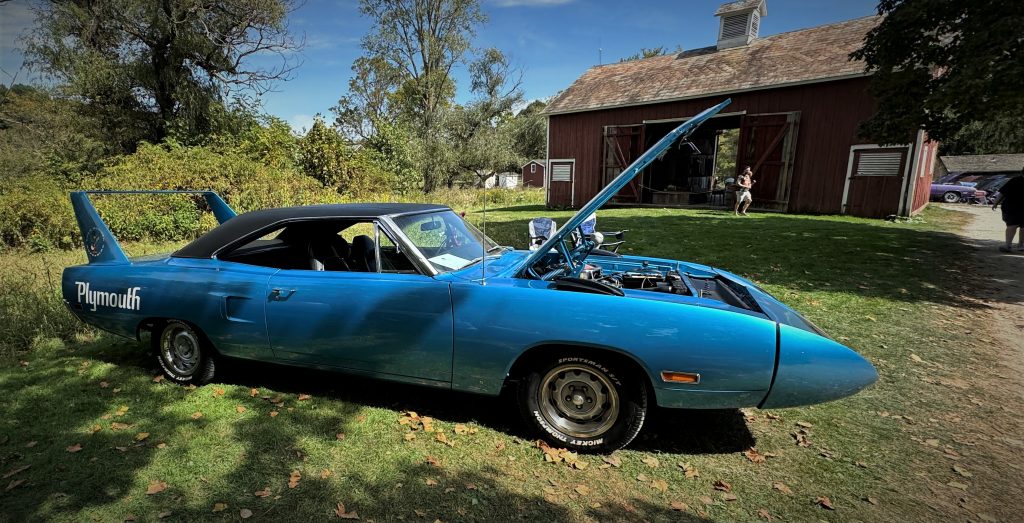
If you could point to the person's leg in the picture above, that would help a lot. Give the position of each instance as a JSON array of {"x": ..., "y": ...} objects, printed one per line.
[
  {"x": 1020, "y": 237},
  {"x": 746, "y": 205},
  {"x": 1011, "y": 231},
  {"x": 736, "y": 208}
]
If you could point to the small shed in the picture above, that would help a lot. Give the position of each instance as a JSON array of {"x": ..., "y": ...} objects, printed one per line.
[
  {"x": 979, "y": 164},
  {"x": 797, "y": 103},
  {"x": 533, "y": 173}
]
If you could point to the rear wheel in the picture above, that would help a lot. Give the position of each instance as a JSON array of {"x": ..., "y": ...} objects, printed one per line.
[
  {"x": 183, "y": 354},
  {"x": 951, "y": 197},
  {"x": 584, "y": 404}
]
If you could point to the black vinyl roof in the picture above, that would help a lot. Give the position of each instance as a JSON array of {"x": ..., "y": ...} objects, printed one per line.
[{"x": 243, "y": 226}]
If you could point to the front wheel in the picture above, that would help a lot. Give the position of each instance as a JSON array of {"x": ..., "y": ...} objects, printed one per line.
[
  {"x": 951, "y": 197},
  {"x": 583, "y": 404},
  {"x": 183, "y": 354}
]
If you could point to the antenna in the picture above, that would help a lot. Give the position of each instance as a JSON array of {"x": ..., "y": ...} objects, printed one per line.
[
  {"x": 599, "y": 50},
  {"x": 483, "y": 241}
]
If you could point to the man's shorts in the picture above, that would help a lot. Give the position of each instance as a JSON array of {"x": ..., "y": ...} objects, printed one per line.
[{"x": 744, "y": 196}]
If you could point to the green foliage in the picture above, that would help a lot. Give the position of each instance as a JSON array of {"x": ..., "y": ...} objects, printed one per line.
[
  {"x": 325, "y": 157},
  {"x": 151, "y": 70},
  {"x": 651, "y": 52},
  {"x": 944, "y": 66},
  {"x": 725, "y": 157},
  {"x": 35, "y": 211},
  {"x": 529, "y": 129}
]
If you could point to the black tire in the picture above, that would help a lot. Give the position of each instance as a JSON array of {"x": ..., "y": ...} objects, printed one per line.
[
  {"x": 184, "y": 354},
  {"x": 951, "y": 197},
  {"x": 558, "y": 399}
]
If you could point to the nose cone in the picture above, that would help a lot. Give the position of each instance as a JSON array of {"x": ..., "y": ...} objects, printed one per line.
[{"x": 813, "y": 369}]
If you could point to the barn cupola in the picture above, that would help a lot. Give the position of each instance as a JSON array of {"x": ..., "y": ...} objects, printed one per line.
[{"x": 739, "y": 22}]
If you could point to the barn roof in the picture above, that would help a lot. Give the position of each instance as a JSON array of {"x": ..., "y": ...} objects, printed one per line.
[
  {"x": 983, "y": 163},
  {"x": 809, "y": 55}
]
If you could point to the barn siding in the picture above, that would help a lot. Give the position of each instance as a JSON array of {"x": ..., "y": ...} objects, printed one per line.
[
  {"x": 924, "y": 175},
  {"x": 830, "y": 115}
]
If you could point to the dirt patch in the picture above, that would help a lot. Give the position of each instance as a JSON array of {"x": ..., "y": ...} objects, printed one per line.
[{"x": 992, "y": 434}]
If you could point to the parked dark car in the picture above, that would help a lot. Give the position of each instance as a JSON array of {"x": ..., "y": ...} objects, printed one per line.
[{"x": 991, "y": 185}]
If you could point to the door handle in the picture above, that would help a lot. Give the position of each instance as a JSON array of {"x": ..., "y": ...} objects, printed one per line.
[{"x": 278, "y": 294}]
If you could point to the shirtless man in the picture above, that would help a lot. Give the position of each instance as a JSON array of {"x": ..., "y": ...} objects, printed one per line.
[{"x": 745, "y": 182}]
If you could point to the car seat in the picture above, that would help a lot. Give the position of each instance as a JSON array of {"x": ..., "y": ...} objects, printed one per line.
[
  {"x": 364, "y": 254},
  {"x": 329, "y": 253}
]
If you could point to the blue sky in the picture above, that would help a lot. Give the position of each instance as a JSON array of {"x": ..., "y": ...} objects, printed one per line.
[{"x": 552, "y": 41}]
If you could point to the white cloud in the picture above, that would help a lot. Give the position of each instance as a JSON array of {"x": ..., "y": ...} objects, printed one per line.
[
  {"x": 300, "y": 123},
  {"x": 530, "y": 3}
]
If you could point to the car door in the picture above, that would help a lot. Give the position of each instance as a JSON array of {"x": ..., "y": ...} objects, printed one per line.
[{"x": 397, "y": 324}]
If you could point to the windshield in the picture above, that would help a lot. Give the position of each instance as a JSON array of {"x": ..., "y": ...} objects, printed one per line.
[{"x": 446, "y": 240}]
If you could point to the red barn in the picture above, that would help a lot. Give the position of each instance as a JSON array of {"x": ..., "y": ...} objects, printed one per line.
[
  {"x": 797, "y": 101},
  {"x": 533, "y": 174}
]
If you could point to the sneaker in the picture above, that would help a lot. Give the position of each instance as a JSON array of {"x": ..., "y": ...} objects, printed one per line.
[{"x": 1003, "y": 248}]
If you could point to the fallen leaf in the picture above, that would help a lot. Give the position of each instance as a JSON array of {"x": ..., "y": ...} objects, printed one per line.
[
  {"x": 95, "y": 428},
  {"x": 754, "y": 456},
  {"x": 254, "y": 392},
  {"x": 651, "y": 461},
  {"x": 956, "y": 468},
  {"x": 804, "y": 424},
  {"x": 304, "y": 397},
  {"x": 642, "y": 478},
  {"x": 706, "y": 500},
  {"x": 871, "y": 500},
  {"x": 197, "y": 415},
  {"x": 470, "y": 486},
  {"x": 420, "y": 513},
  {"x": 31, "y": 444},
  {"x": 409, "y": 436},
  {"x": 156, "y": 486},
  {"x": 218, "y": 392},
  {"x": 916, "y": 358},
  {"x": 74, "y": 448},
  {"x": 262, "y": 493},
  {"x": 824, "y": 502},
  {"x": 273, "y": 414},
  {"x": 325, "y": 473},
  {"x": 765, "y": 515},
  {"x": 158, "y": 378},
  {"x": 957, "y": 485},
  {"x": 240, "y": 409},
  {"x": 16, "y": 471},
  {"x": 161, "y": 445},
  {"x": 782, "y": 487},
  {"x": 612, "y": 460},
  {"x": 444, "y": 439},
  {"x": 104, "y": 384},
  {"x": 245, "y": 513},
  {"x": 432, "y": 461},
  {"x": 293, "y": 479},
  {"x": 723, "y": 486},
  {"x": 220, "y": 507},
  {"x": 340, "y": 512},
  {"x": 689, "y": 471},
  {"x": 164, "y": 514},
  {"x": 14, "y": 484},
  {"x": 801, "y": 439},
  {"x": 499, "y": 445},
  {"x": 339, "y": 436},
  {"x": 141, "y": 436},
  {"x": 121, "y": 411},
  {"x": 582, "y": 490},
  {"x": 131, "y": 517},
  {"x": 119, "y": 426},
  {"x": 730, "y": 496},
  {"x": 771, "y": 416},
  {"x": 678, "y": 506},
  {"x": 115, "y": 391},
  {"x": 660, "y": 484},
  {"x": 430, "y": 482}
]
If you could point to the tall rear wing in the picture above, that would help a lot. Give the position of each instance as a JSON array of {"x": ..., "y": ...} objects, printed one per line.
[{"x": 100, "y": 244}]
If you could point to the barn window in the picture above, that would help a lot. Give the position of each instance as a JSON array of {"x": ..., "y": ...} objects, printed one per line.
[
  {"x": 561, "y": 172},
  {"x": 533, "y": 168},
  {"x": 880, "y": 163}
]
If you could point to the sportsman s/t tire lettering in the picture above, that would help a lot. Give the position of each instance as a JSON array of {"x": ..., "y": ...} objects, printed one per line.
[
  {"x": 583, "y": 404},
  {"x": 184, "y": 354}
]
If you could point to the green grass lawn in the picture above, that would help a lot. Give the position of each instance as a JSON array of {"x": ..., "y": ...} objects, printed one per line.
[{"x": 87, "y": 431}]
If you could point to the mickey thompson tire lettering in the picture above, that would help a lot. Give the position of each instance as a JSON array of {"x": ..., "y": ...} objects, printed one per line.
[{"x": 629, "y": 393}]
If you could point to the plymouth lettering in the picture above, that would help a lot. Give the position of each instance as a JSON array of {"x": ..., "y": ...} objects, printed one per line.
[{"x": 129, "y": 300}]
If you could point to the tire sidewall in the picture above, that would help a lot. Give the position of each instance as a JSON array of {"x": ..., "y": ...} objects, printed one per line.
[
  {"x": 632, "y": 411},
  {"x": 204, "y": 372}
]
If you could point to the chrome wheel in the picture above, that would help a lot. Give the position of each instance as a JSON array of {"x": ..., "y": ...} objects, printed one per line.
[
  {"x": 579, "y": 401},
  {"x": 180, "y": 350},
  {"x": 951, "y": 197}
]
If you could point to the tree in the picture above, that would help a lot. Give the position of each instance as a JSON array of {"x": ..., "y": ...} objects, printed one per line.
[
  {"x": 406, "y": 73},
  {"x": 529, "y": 130},
  {"x": 150, "y": 69},
  {"x": 944, "y": 66}
]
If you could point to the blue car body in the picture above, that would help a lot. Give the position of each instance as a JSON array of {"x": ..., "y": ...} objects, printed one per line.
[{"x": 468, "y": 328}]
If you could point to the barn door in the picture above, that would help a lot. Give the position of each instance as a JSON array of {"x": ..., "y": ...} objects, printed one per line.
[
  {"x": 767, "y": 143},
  {"x": 622, "y": 145},
  {"x": 875, "y": 181}
]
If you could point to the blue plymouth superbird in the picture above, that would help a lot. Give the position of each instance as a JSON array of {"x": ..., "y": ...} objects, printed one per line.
[{"x": 589, "y": 340}]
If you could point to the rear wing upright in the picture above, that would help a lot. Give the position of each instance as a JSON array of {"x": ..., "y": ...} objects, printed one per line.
[{"x": 100, "y": 244}]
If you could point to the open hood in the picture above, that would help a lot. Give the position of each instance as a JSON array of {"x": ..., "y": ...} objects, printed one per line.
[{"x": 555, "y": 241}]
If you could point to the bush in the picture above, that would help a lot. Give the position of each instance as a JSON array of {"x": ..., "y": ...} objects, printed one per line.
[{"x": 35, "y": 211}]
